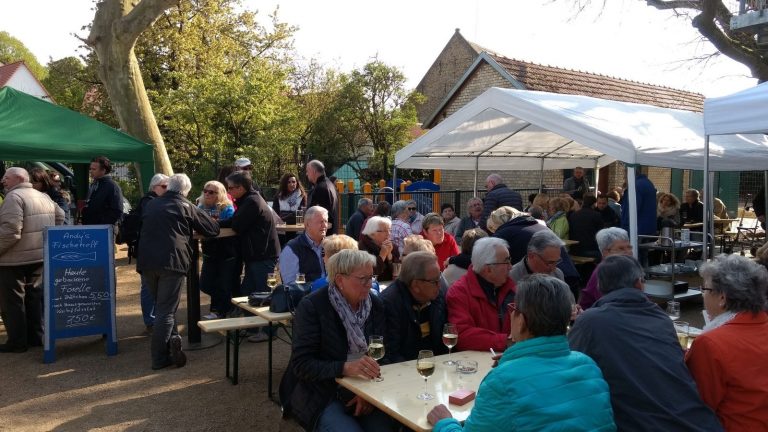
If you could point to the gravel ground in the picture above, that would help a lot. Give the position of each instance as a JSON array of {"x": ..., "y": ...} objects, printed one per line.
[{"x": 85, "y": 390}]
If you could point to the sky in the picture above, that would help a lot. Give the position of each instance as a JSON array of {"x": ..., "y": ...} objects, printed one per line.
[{"x": 626, "y": 39}]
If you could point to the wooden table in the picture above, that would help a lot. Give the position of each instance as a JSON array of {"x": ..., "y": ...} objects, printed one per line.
[
  {"x": 282, "y": 229},
  {"x": 396, "y": 395},
  {"x": 569, "y": 242},
  {"x": 282, "y": 319}
]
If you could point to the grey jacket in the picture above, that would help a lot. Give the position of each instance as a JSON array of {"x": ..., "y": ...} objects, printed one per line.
[{"x": 23, "y": 216}]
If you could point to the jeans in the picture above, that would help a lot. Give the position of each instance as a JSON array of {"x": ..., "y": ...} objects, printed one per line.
[
  {"x": 256, "y": 276},
  {"x": 165, "y": 287},
  {"x": 21, "y": 304},
  {"x": 147, "y": 303},
  {"x": 216, "y": 279},
  {"x": 335, "y": 418}
]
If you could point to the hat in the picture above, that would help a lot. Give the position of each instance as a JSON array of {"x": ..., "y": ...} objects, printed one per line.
[{"x": 242, "y": 162}]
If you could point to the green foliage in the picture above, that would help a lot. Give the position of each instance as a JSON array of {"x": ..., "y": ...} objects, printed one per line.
[
  {"x": 13, "y": 50},
  {"x": 67, "y": 82}
]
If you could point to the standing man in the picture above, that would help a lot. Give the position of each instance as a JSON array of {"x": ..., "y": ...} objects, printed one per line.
[
  {"x": 167, "y": 225},
  {"x": 365, "y": 209},
  {"x": 104, "y": 203},
  {"x": 576, "y": 185},
  {"x": 635, "y": 344},
  {"x": 324, "y": 192},
  {"x": 498, "y": 195},
  {"x": 304, "y": 253},
  {"x": 24, "y": 214},
  {"x": 645, "y": 202}
]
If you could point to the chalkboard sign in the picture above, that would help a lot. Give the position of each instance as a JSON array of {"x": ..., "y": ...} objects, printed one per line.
[{"x": 79, "y": 281}]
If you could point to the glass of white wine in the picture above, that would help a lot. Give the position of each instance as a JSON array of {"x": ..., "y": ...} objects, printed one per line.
[
  {"x": 272, "y": 280},
  {"x": 376, "y": 351},
  {"x": 673, "y": 310},
  {"x": 425, "y": 365},
  {"x": 450, "y": 339},
  {"x": 301, "y": 279}
]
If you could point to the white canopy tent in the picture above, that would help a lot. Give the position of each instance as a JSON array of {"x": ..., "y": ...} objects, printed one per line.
[{"x": 504, "y": 129}]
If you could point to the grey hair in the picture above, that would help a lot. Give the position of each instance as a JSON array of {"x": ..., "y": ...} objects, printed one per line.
[
  {"x": 484, "y": 252},
  {"x": 473, "y": 199},
  {"x": 608, "y": 236},
  {"x": 179, "y": 183},
  {"x": 312, "y": 211},
  {"x": 346, "y": 261},
  {"x": 317, "y": 166},
  {"x": 546, "y": 302},
  {"x": 156, "y": 180},
  {"x": 19, "y": 172},
  {"x": 363, "y": 202},
  {"x": 542, "y": 240},
  {"x": 415, "y": 266},
  {"x": 618, "y": 271},
  {"x": 495, "y": 178},
  {"x": 741, "y": 280},
  {"x": 693, "y": 192},
  {"x": 398, "y": 208},
  {"x": 374, "y": 224}
]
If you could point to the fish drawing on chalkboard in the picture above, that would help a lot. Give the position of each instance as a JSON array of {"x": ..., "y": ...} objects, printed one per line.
[{"x": 75, "y": 256}]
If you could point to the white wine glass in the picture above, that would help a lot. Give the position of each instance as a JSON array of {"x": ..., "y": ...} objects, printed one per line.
[
  {"x": 301, "y": 279},
  {"x": 450, "y": 339},
  {"x": 376, "y": 351},
  {"x": 673, "y": 309},
  {"x": 425, "y": 365},
  {"x": 272, "y": 281}
]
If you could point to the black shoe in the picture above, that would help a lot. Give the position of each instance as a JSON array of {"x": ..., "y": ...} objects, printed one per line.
[
  {"x": 5, "y": 348},
  {"x": 162, "y": 366},
  {"x": 177, "y": 355}
]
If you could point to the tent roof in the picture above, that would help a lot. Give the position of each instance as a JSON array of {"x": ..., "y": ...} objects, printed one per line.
[
  {"x": 505, "y": 129},
  {"x": 33, "y": 129},
  {"x": 742, "y": 112}
]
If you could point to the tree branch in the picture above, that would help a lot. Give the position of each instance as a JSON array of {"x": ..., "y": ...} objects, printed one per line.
[{"x": 141, "y": 17}]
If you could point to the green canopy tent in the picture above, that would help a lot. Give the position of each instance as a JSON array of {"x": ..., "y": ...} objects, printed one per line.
[{"x": 33, "y": 129}]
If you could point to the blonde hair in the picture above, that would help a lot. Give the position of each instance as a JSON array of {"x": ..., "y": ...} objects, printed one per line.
[
  {"x": 541, "y": 200},
  {"x": 560, "y": 204},
  {"x": 337, "y": 242},
  {"x": 500, "y": 216},
  {"x": 417, "y": 243},
  {"x": 346, "y": 261},
  {"x": 222, "y": 201}
]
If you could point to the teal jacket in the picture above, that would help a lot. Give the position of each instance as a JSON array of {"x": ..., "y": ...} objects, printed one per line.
[{"x": 540, "y": 385}]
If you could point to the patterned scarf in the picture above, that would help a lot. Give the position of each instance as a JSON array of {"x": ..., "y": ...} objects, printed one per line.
[
  {"x": 291, "y": 202},
  {"x": 354, "y": 321}
]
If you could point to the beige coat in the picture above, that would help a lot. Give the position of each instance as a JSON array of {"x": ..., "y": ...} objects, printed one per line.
[{"x": 23, "y": 216}]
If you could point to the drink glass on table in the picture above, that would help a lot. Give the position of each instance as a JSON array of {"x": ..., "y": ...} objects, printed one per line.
[
  {"x": 299, "y": 217},
  {"x": 682, "y": 329},
  {"x": 376, "y": 351},
  {"x": 450, "y": 338},
  {"x": 396, "y": 270},
  {"x": 673, "y": 309},
  {"x": 272, "y": 280},
  {"x": 300, "y": 279},
  {"x": 425, "y": 365}
]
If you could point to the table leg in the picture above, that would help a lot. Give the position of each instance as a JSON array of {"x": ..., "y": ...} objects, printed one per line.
[
  {"x": 193, "y": 295},
  {"x": 236, "y": 363},
  {"x": 229, "y": 341},
  {"x": 269, "y": 365}
]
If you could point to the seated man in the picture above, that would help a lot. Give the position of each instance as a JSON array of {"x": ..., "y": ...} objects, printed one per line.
[
  {"x": 610, "y": 217},
  {"x": 692, "y": 210},
  {"x": 583, "y": 224},
  {"x": 304, "y": 254},
  {"x": 415, "y": 309},
  {"x": 543, "y": 257},
  {"x": 611, "y": 241},
  {"x": 477, "y": 301},
  {"x": 635, "y": 345}
]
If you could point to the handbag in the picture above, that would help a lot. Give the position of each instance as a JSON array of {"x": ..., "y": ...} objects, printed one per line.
[
  {"x": 259, "y": 298},
  {"x": 285, "y": 298}
]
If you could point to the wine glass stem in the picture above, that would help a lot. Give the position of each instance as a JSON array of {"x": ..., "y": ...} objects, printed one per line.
[
  {"x": 449, "y": 354},
  {"x": 425, "y": 386}
]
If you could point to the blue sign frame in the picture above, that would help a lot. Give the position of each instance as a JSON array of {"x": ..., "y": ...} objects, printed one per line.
[{"x": 79, "y": 285}]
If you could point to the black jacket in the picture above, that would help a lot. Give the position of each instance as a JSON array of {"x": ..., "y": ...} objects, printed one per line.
[
  {"x": 104, "y": 205},
  {"x": 255, "y": 226},
  {"x": 324, "y": 195},
  {"x": 403, "y": 339},
  {"x": 610, "y": 217},
  {"x": 499, "y": 195},
  {"x": 384, "y": 269},
  {"x": 167, "y": 225},
  {"x": 584, "y": 225},
  {"x": 318, "y": 355},
  {"x": 355, "y": 224},
  {"x": 692, "y": 213}
]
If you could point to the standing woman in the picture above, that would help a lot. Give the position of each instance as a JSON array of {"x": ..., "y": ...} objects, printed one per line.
[
  {"x": 42, "y": 182},
  {"x": 289, "y": 198},
  {"x": 219, "y": 274}
]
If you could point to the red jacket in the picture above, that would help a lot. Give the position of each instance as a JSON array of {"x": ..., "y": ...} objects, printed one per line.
[
  {"x": 445, "y": 250},
  {"x": 728, "y": 364},
  {"x": 476, "y": 319}
]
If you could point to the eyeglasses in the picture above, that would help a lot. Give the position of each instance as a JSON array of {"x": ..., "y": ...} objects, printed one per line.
[
  {"x": 411, "y": 208},
  {"x": 365, "y": 280},
  {"x": 212, "y": 192},
  {"x": 706, "y": 289},
  {"x": 506, "y": 261},
  {"x": 550, "y": 263},
  {"x": 247, "y": 168},
  {"x": 434, "y": 282}
]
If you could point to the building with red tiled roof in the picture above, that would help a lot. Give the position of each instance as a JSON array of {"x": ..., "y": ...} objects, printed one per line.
[{"x": 18, "y": 76}]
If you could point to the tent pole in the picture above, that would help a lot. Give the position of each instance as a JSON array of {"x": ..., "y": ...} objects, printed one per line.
[
  {"x": 632, "y": 203},
  {"x": 597, "y": 177},
  {"x": 765, "y": 189},
  {"x": 394, "y": 183},
  {"x": 541, "y": 176},
  {"x": 707, "y": 186},
  {"x": 477, "y": 167}
]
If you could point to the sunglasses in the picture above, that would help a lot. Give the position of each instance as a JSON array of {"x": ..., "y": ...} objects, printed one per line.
[
  {"x": 163, "y": 186},
  {"x": 411, "y": 208},
  {"x": 212, "y": 192}
]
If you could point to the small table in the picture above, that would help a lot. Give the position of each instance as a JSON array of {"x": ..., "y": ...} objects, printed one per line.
[
  {"x": 396, "y": 395},
  {"x": 569, "y": 242},
  {"x": 282, "y": 229},
  {"x": 281, "y": 319}
]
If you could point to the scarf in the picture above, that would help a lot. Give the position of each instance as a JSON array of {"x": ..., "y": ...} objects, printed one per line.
[
  {"x": 291, "y": 202},
  {"x": 353, "y": 321},
  {"x": 719, "y": 320}
]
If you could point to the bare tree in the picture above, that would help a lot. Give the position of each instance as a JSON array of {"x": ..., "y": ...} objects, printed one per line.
[{"x": 116, "y": 26}]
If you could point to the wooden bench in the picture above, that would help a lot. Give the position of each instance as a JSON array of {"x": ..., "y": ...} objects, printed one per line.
[
  {"x": 578, "y": 260},
  {"x": 231, "y": 328}
]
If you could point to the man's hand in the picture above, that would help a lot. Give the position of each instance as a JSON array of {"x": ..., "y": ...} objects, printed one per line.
[
  {"x": 438, "y": 413},
  {"x": 365, "y": 367}
]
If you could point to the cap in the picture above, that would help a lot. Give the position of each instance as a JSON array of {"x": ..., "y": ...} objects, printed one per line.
[{"x": 242, "y": 162}]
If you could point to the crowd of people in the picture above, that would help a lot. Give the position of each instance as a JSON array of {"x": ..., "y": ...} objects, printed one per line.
[{"x": 502, "y": 275}]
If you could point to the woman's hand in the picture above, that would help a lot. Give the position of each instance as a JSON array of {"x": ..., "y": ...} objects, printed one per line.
[
  {"x": 386, "y": 250},
  {"x": 438, "y": 413},
  {"x": 362, "y": 407},
  {"x": 365, "y": 367}
]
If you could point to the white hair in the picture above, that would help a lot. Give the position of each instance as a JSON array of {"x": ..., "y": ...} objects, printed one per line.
[
  {"x": 19, "y": 172},
  {"x": 179, "y": 183},
  {"x": 484, "y": 252},
  {"x": 374, "y": 224},
  {"x": 157, "y": 179}
]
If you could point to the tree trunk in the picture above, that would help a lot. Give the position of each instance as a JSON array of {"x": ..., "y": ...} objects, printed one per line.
[{"x": 116, "y": 26}]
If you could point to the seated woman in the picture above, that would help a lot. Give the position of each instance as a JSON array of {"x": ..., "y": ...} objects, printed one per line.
[
  {"x": 727, "y": 360},
  {"x": 458, "y": 265},
  {"x": 558, "y": 217},
  {"x": 667, "y": 211},
  {"x": 330, "y": 340},
  {"x": 219, "y": 275},
  {"x": 539, "y": 383},
  {"x": 433, "y": 229},
  {"x": 374, "y": 239}
]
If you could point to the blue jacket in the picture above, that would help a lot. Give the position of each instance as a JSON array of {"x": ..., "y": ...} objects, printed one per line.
[
  {"x": 634, "y": 343},
  {"x": 540, "y": 385},
  {"x": 499, "y": 195},
  {"x": 646, "y": 206}
]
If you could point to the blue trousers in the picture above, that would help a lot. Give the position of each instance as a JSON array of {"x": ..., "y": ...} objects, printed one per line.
[
  {"x": 165, "y": 287},
  {"x": 255, "y": 278},
  {"x": 217, "y": 277},
  {"x": 147, "y": 303},
  {"x": 335, "y": 418}
]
